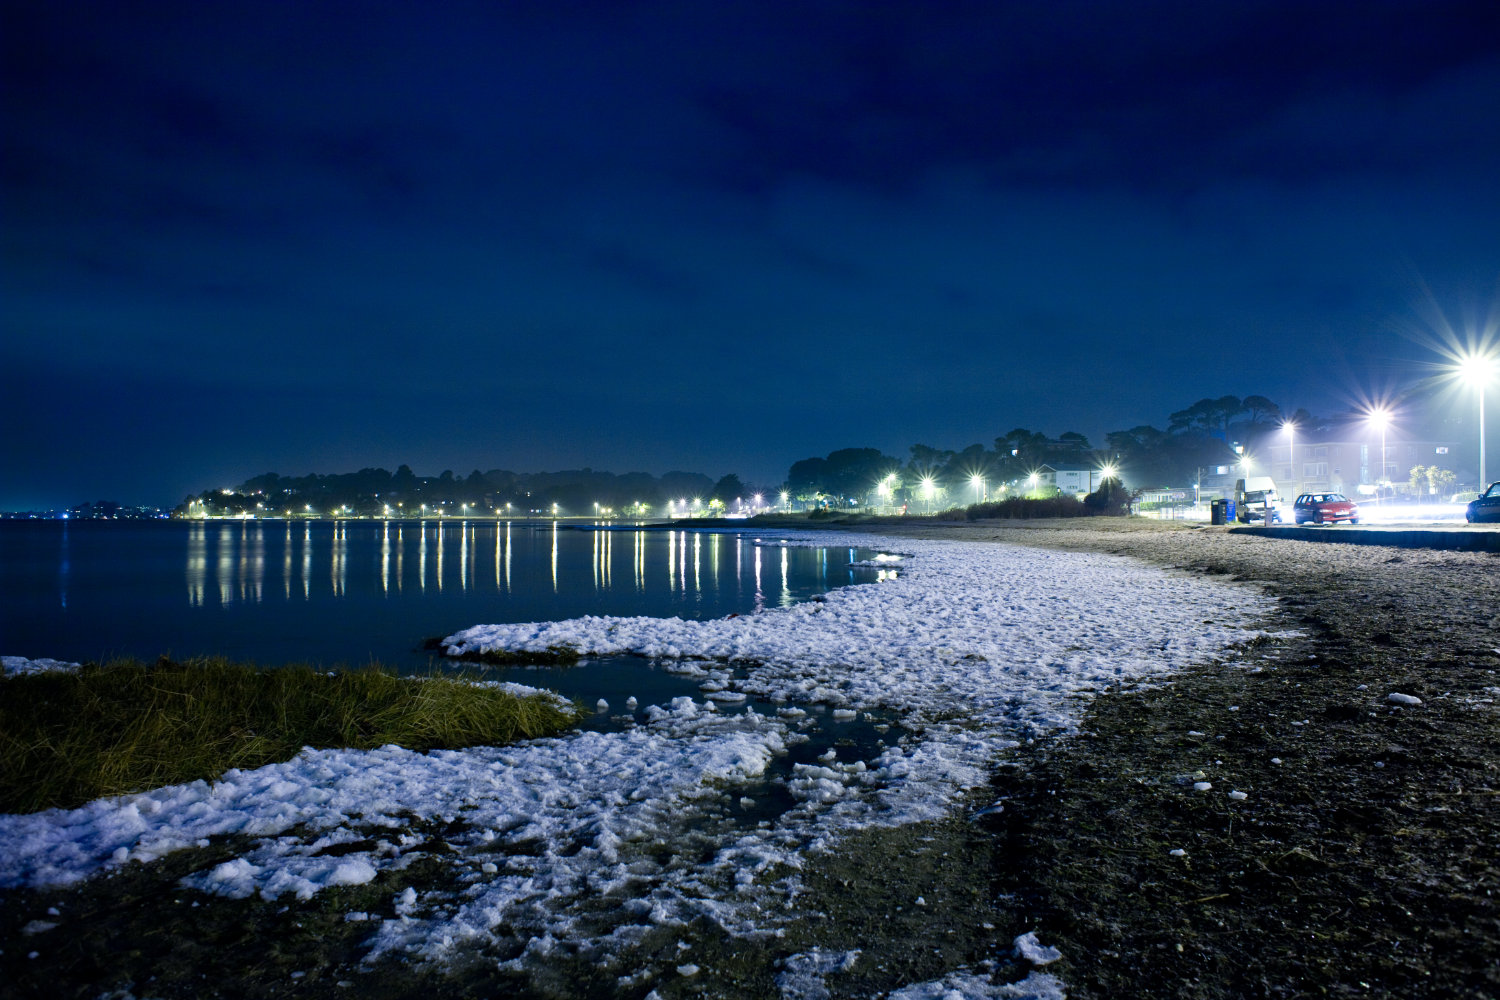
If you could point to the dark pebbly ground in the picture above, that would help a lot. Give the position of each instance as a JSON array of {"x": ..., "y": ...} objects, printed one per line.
[{"x": 1362, "y": 861}]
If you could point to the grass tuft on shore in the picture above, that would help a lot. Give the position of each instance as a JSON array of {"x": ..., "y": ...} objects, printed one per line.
[{"x": 125, "y": 726}]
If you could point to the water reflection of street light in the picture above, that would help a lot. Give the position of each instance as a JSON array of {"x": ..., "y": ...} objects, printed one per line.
[{"x": 1477, "y": 370}]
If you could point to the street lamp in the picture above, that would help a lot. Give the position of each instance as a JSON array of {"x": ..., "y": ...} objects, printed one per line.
[
  {"x": 1381, "y": 418},
  {"x": 977, "y": 481},
  {"x": 1291, "y": 454},
  {"x": 1477, "y": 370}
]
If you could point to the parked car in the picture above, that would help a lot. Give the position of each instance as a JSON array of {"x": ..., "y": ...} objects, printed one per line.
[
  {"x": 1325, "y": 508},
  {"x": 1486, "y": 507}
]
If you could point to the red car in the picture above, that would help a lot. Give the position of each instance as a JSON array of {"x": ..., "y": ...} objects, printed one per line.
[{"x": 1325, "y": 508}]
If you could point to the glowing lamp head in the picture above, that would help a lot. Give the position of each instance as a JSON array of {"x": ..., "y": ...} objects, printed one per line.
[
  {"x": 1108, "y": 472},
  {"x": 1476, "y": 369},
  {"x": 1380, "y": 419}
]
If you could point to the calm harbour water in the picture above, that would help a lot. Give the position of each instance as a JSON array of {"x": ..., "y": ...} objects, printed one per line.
[{"x": 353, "y": 591}]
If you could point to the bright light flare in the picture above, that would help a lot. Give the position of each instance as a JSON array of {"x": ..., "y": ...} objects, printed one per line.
[{"x": 1476, "y": 370}]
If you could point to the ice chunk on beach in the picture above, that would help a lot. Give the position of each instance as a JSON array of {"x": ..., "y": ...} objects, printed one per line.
[
  {"x": 966, "y": 985},
  {"x": 1397, "y": 698},
  {"x": 1029, "y": 948},
  {"x": 802, "y": 974}
]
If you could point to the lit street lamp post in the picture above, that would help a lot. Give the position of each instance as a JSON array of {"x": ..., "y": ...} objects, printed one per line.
[
  {"x": 1476, "y": 369},
  {"x": 1291, "y": 456},
  {"x": 1382, "y": 419}
]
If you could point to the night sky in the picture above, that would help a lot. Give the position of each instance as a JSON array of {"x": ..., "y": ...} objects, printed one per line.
[{"x": 243, "y": 237}]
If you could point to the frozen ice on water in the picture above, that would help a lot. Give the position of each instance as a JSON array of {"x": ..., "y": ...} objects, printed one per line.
[
  {"x": 631, "y": 703},
  {"x": 601, "y": 705}
]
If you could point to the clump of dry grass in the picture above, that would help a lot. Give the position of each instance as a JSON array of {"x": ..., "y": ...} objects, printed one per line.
[{"x": 66, "y": 738}]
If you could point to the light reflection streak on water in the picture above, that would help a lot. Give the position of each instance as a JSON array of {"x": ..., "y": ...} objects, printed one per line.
[
  {"x": 197, "y": 566},
  {"x": 224, "y": 570},
  {"x": 671, "y": 560},
  {"x": 640, "y": 560},
  {"x": 786, "y": 583},
  {"x": 257, "y": 565},
  {"x": 240, "y": 554},
  {"x": 760, "y": 598},
  {"x": 385, "y": 558},
  {"x": 463, "y": 556},
  {"x": 340, "y": 558}
]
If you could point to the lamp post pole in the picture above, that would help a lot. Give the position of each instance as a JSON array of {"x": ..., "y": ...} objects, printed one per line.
[
  {"x": 1291, "y": 458},
  {"x": 1382, "y": 453},
  {"x": 1483, "y": 479}
]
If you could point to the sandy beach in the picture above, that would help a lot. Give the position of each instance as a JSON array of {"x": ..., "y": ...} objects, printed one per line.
[{"x": 1310, "y": 812}]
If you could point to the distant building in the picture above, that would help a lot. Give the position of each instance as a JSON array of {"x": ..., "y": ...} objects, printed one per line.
[
  {"x": 1069, "y": 479},
  {"x": 1343, "y": 466}
]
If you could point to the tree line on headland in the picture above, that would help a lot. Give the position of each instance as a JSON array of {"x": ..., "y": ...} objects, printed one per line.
[{"x": 1196, "y": 437}]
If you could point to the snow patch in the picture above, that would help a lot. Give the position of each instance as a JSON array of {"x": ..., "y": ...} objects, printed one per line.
[{"x": 15, "y": 666}]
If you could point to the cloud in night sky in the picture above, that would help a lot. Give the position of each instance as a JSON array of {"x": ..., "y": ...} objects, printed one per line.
[{"x": 301, "y": 236}]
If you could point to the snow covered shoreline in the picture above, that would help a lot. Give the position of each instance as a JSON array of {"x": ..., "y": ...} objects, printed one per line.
[{"x": 975, "y": 646}]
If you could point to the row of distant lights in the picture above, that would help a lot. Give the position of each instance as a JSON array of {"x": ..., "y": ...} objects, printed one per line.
[{"x": 1474, "y": 369}]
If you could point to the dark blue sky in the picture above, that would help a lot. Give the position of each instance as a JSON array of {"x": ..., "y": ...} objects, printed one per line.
[{"x": 716, "y": 236}]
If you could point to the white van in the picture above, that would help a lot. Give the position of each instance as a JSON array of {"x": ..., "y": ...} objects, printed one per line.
[{"x": 1253, "y": 496}]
